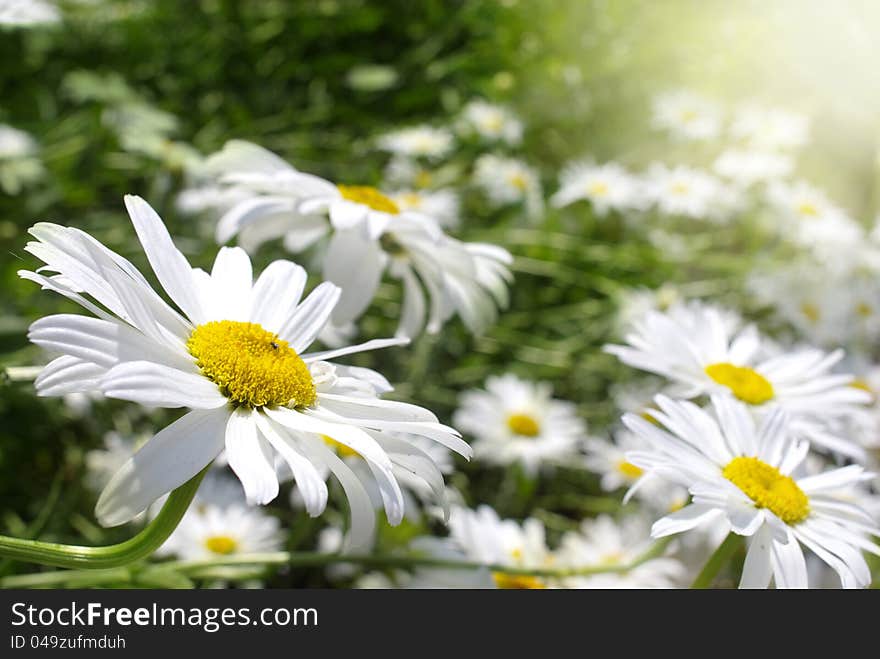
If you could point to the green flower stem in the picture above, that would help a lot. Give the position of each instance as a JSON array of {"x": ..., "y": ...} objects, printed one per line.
[
  {"x": 110, "y": 556},
  {"x": 306, "y": 559},
  {"x": 716, "y": 561}
]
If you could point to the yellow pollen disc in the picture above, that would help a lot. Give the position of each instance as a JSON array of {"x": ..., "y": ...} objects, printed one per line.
[
  {"x": 746, "y": 384},
  {"x": 689, "y": 115},
  {"x": 523, "y": 424},
  {"x": 768, "y": 488},
  {"x": 339, "y": 447},
  {"x": 410, "y": 199},
  {"x": 808, "y": 209},
  {"x": 680, "y": 188},
  {"x": 598, "y": 188},
  {"x": 811, "y": 311},
  {"x": 506, "y": 581},
  {"x": 221, "y": 544},
  {"x": 252, "y": 366},
  {"x": 519, "y": 182},
  {"x": 423, "y": 179},
  {"x": 493, "y": 123},
  {"x": 629, "y": 470},
  {"x": 369, "y": 196},
  {"x": 864, "y": 310}
]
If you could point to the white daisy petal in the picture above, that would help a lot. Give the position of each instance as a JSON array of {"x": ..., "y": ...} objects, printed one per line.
[
  {"x": 167, "y": 461},
  {"x": 249, "y": 458},
  {"x": 757, "y": 569},
  {"x": 301, "y": 328},
  {"x": 276, "y": 294},
  {"x": 171, "y": 267},
  {"x": 157, "y": 385}
]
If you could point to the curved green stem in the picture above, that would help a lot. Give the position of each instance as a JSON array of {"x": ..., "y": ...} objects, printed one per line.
[
  {"x": 110, "y": 556},
  {"x": 716, "y": 561}
]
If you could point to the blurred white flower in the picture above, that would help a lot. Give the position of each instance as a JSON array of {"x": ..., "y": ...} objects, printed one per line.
[
  {"x": 493, "y": 123},
  {"x": 28, "y": 13},
  {"x": 482, "y": 536},
  {"x": 687, "y": 115},
  {"x": 604, "y": 542},
  {"x": 607, "y": 187},
  {"x": 417, "y": 141},
  {"x": 19, "y": 164},
  {"x": 517, "y": 421},
  {"x": 770, "y": 128},
  {"x": 808, "y": 218},
  {"x": 689, "y": 192},
  {"x": 608, "y": 460},
  {"x": 218, "y": 525},
  {"x": 369, "y": 234},
  {"x": 508, "y": 181},
  {"x": 442, "y": 205}
]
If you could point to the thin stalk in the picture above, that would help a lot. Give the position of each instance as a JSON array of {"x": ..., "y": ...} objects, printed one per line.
[
  {"x": 94, "y": 558},
  {"x": 717, "y": 560}
]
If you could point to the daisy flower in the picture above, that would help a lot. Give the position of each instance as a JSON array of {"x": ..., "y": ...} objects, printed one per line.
[
  {"x": 217, "y": 526},
  {"x": 742, "y": 474},
  {"x": 234, "y": 355},
  {"x": 607, "y": 187},
  {"x": 19, "y": 164},
  {"x": 748, "y": 167},
  {"x": 702, "y": 355},
  {"x": 602, "y": 541},
  {"x": 492, "y": 123},
  {"x": 371, "y": 234},
  {"x": 517, "y": 421},
  {"x": 417, "y": 142},
  {"x": 508, "y": 181},
  {"x": 688, "y": 192},
  {"x": 810, "y": 219},
  {"x": 608, "y": 460},
  {"x": 482, "y": 536},
  {"x": 687, "y": 115},
  {"x": 27, "y": 13},
  {"x": 770, "y": 128},
  {"x": 442, "y": 205}
]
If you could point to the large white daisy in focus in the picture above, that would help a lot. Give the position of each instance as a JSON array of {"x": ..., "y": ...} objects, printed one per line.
[
  {"x": 517, "y": 421},
  {"x": 235, "y": 356},
  {"x": 698, "y": 350},
  {"x": 742, "y": 474}
]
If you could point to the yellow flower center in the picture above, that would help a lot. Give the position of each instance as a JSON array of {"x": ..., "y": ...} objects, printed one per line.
[
  {"x": 769, "y": 488},
  {"x": 629, "y": 470},
  {"x": 341, "y": 449},
  {"x": 493, "y": 122},
  {"x": 423, "y": 179},
  {"x": 252, "y": 366},
  {"x": 506, "y": 581},
  {"x": 221, "y": 544},
  {"x": 689, "y": 115},
  {"x": 519, "y": 181},
  {"x": 864, "y": 310},
  {"x": 409, "y": 200},
  {"x": 680, "y": 188},
  {"x": 523, "y": 424},
  {"x": 369, "y": 196},
  {"x": 808, "y": 208},
  {"x": 597, "y": 188},
  {"x": 746, "y": 384},
  {"x": 811, "y": 311}
]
